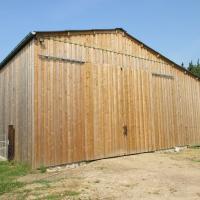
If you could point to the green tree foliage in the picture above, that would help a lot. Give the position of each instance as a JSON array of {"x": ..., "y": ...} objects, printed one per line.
[{"x": 194, "y": 68}]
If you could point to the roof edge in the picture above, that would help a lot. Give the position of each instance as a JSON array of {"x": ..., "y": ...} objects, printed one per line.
[
  {"x": 23, "y": 42},
  {"x": 81, "y": 30},
  {"x": 31, "y": 35},
  {"x": 161, "y": 56}
]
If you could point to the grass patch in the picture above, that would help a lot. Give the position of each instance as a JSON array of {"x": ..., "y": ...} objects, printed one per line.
[
  {"x": 9, "y": 186},
  {"x": 58, "y": 196},
  {"x": 195, "y": 146},
  {"x": 53, "y": 197},
  {"x": 71, "y": 193},
  {"x": 13, "y": 169},
  {"x": 9, "y": 171},
  {"x": 43, "y": 169},
  {"x": 194, "y": 160},
  {"x": 22, "y": 194},
  {"x": 43, "y": 182},
  {"x": 156, "y": 192}
]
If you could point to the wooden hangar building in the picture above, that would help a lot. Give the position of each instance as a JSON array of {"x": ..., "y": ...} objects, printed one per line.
[{"x": 80, "y": 95}]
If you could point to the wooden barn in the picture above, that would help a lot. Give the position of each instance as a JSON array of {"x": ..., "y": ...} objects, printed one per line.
[{"x": 79, "y": 95}]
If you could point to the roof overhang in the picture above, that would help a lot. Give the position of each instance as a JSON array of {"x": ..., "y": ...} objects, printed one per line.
[{"x": 26, "y": 40}]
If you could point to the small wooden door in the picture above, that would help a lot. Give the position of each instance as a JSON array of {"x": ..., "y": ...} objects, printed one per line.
[{"x": 11, "y": 145}]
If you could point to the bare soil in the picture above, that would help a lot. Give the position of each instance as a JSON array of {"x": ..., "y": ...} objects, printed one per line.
[{"x": 158, "y": 176}]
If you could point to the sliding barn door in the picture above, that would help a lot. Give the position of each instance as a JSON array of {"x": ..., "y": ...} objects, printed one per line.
[
  {"x": 105, "y": 116},
  {"x": 117, "y": 116},
  {"x": 136, "y": 110}
]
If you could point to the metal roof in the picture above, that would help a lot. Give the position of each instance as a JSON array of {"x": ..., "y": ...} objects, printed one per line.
[
  {"x": 31, "y": 35},
  {"x": 26, "y": 39}
]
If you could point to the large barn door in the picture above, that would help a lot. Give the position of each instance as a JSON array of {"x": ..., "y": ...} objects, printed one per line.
[
  {"x": 136, "y": 110},
  {"x": 163, "y": 111},
  {"x": 107, "y": 106},
  {"x": 118, "y": 111}
]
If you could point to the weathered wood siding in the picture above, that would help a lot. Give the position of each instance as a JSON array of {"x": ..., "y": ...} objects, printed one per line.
[
  {"x": 81, "y": 109},
  {"x": 16, "y": 101}
]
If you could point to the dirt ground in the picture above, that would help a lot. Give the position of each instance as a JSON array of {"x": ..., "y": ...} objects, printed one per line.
[{"x": 159, "y": 176}]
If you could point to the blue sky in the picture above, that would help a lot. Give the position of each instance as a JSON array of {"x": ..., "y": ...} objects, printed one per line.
[{"x": 171, "y": 27}]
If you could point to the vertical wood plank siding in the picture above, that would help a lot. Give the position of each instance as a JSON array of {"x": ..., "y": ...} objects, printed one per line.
[
  {"x": 59, "y": 108},
  {"x": 85, "y": 96},
  {"x": 81, "y": 109},
  {"x": 16, "y": 101}
]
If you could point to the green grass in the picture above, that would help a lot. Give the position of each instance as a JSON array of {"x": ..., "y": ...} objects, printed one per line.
[
  {"x": 13, "y": 169},
  {"x": 20, "y": 194},
  {"x": 196, "y": 160},
  {"x": 43, "y": 169},
  {"x": 8, "y": 186},
  {"x": 58, "y": 196},
  {"x": 43, "y": 182},
  {"x": 71, "y": 193},
  {"x": 194, "y": 146},
  {"x": 9, "y": 172}
]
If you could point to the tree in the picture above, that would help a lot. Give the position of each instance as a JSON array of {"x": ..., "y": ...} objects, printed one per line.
[
  {"x": 198, "y": 63},
  {"x": 190, "y": 66},
  {"x": 195, "y": 69}
]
